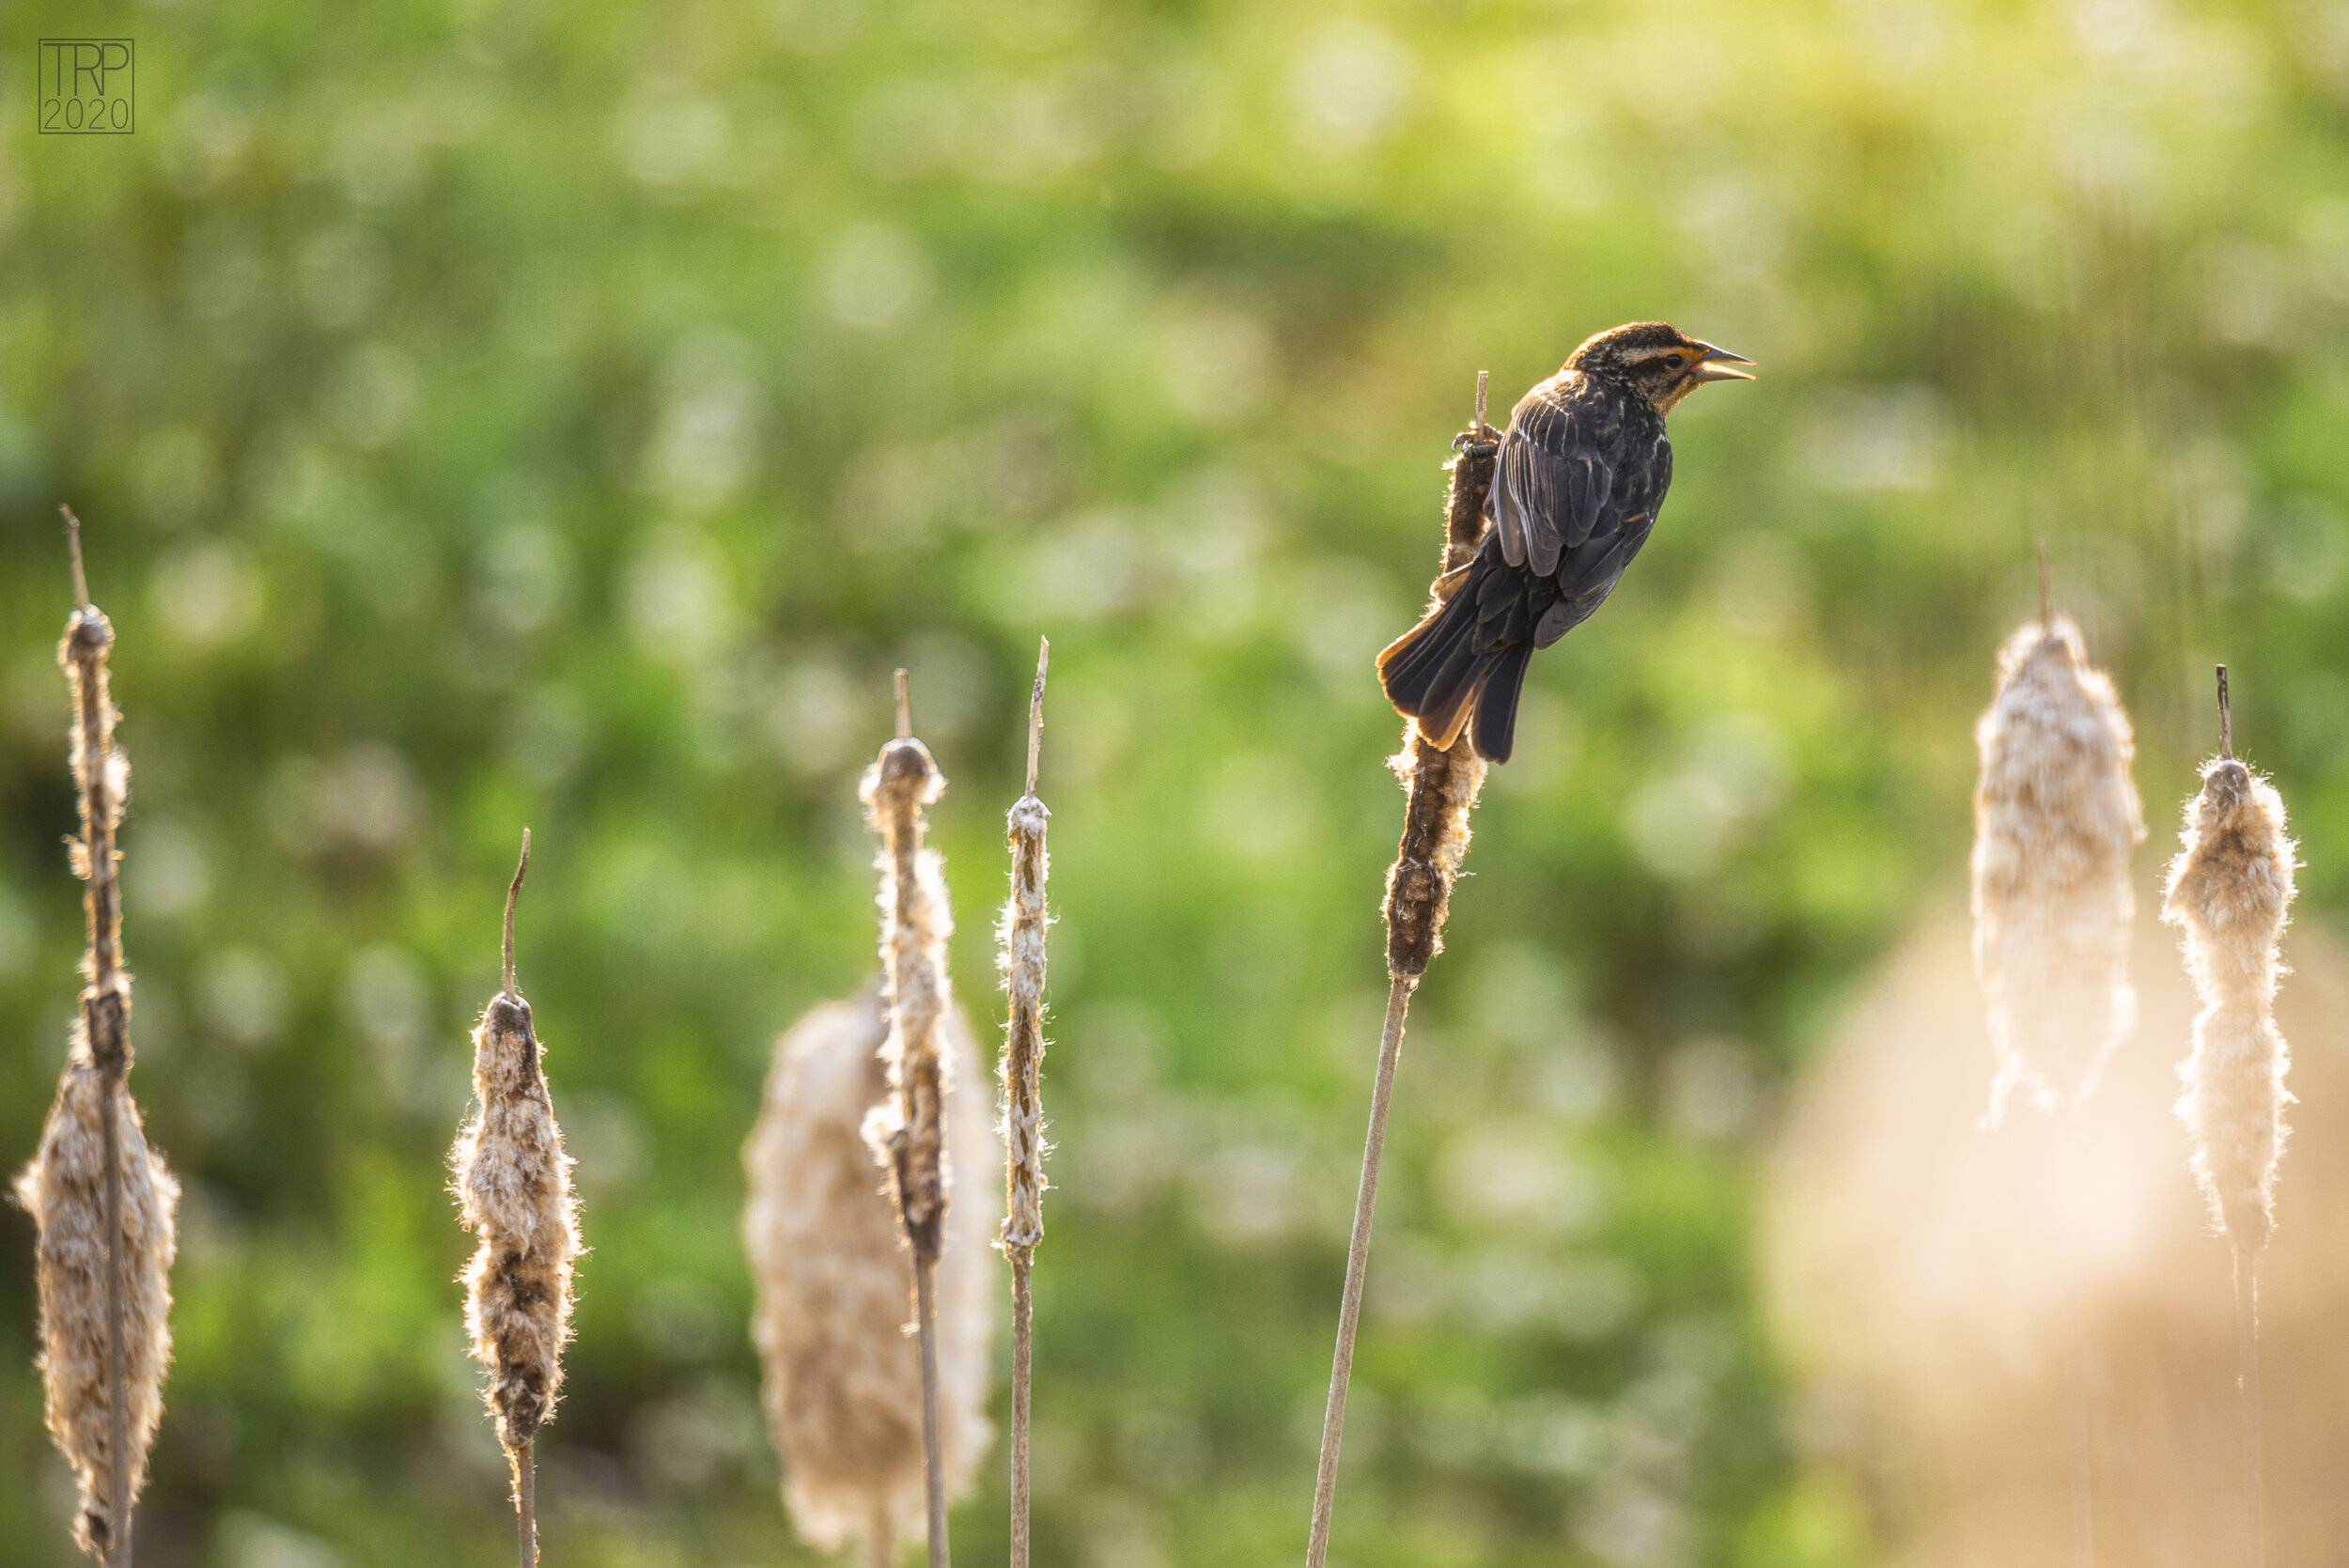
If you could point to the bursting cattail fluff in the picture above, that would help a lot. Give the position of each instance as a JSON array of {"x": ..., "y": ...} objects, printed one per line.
[
  {"x": 61, "y": 1190},
  {"x": 833, "y": 1278},
  {"x": 512, "y": 1181},
  {"x": 2056, "y": 816},
  {"x": 2230, "y": 893},
  {"x": 64, "y": 1189}
]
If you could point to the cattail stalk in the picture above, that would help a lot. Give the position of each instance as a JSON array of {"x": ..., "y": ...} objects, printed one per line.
[
  {"x": 908, "y": 1132},
  {"x": 2056, "y": 816},
  {"x": 513, "y": 1187},
  {"x": 1021, "y": 939},
  {"x": 2230, "y": 891},
  {"x": 103, "y": 1201},
  {"x": 1439, "y": 790},
  {"x": 834, "y": 1285}
]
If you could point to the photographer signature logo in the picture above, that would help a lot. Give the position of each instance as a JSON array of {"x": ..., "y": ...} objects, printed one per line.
[{"x": 87, "y": 86}]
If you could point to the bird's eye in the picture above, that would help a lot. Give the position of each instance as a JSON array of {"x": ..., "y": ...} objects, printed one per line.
[{"x": 1676, "y": 359}]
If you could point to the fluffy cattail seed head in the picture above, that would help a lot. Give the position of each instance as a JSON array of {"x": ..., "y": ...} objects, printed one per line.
[
  {"x": 2056, "y": 816},
  {"x": 513, "y": 1187},
  {"x": 2230, "y": 891},
  {"x": 62, "y": 1190},
  {"x": 833, "y": 1282},
  {"x": 907, "y": 1129}
]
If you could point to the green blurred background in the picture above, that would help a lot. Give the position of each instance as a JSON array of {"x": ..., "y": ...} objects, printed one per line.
[{"x": 497, "y": 414}]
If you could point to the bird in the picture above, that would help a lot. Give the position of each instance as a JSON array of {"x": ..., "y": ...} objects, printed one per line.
[{"x": 1578, "y": 479}]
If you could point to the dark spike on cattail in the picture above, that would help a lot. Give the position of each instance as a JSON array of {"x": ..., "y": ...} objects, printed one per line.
[
  {"x": 105, "y": 1204},
  {"x": 512, "y": 1181}
]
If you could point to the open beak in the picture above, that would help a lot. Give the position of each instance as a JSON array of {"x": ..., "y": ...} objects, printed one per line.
[{"x": 1720, "y": 365}]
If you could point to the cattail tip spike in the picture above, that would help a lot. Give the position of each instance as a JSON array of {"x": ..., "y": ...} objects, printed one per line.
[
  {"x": 2226, "y": 718},
  {"x": 1484, "y": 385},
  {"x": 1036, "y": 708},
  {"x": 73, "y": 549},
  {"x": 513, "y": 892},
  {"x": 905, "y": 707}
]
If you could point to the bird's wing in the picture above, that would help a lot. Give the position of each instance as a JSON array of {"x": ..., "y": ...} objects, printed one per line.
[
  {"x": 1642, "y": 471},
  {"x": 1553, "y": 481}
]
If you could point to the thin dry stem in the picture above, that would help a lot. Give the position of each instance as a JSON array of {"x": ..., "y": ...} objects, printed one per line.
[
  {"x": 525, "y": 1464},
  {"x": 1022, "y": 1369},
  {"x": 904, "y": 706},
  {"x": 1357, "y": 1269},
  {"x": 2247, "y": 1344},
  {"x": 1440, "y": 792},
  {"x": 933, "y": 1460}
]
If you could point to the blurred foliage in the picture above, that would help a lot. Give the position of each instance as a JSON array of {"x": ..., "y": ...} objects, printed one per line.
[{"x": 497, "y": 413}]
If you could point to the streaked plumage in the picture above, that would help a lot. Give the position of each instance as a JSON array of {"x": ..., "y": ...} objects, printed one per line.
[{"x": 1582, "y": 471}]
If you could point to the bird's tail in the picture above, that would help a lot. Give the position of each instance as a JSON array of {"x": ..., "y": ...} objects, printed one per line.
[{"x": 1433, "y": 673}]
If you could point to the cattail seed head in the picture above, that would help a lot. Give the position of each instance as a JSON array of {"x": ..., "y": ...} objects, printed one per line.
[
  {"x": 833, "y": 1282},
  {"x": 512, "y": 1181},
  {"x": 63, "y": 1190},
  {"x": 2056, "y": 816},
  {"x": 2230, "y": 891},
  {"x": 907, "y": 1129}
]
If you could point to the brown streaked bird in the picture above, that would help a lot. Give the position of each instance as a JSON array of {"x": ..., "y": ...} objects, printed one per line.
[{"x": 1579, "y": 478}]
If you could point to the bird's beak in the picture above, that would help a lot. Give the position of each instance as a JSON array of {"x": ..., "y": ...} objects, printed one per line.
[{"x": 1720, "y": 365}]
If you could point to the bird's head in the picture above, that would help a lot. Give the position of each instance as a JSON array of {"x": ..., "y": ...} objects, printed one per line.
[{"x": 1657, "y": 361}]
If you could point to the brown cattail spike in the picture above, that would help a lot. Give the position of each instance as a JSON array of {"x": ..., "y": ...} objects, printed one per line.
[
  {"x": 103, "y": 1204},
  {"x": 833, "y": 1279},
  {"x": 1440, "y": 791},
  {"x": 1019, "y": 937},
  {"x": 513, "y": 1187}
]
